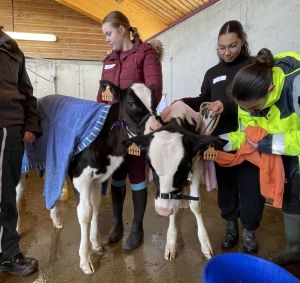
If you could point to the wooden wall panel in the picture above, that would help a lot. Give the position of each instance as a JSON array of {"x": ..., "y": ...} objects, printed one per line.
[
  {"x": 78, "y": 36},
  {"x": 6, "y": 18},
  {"x": 147, "y": 23},
  {"x": 77, "y": 23}
]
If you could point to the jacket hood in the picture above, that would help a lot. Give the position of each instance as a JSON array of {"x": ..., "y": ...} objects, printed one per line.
[
  {"x": 9, "y": 45},
  {"x": 157, "y": 45}
]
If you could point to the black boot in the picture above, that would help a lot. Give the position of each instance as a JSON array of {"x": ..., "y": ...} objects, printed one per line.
[
  {"x": 118, "y": 196},
  {"x": 137, "y": 232},
  {"x": 231, "y": 235},
  {"x": 135, "y": 237},
  {"x": 291, "y": 252},
  {"x": 19, "y": 265},
  {"x": 249, "y": 241}
]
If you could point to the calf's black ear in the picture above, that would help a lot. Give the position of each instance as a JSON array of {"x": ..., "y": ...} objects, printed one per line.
[
  {"x": 152, "y": 89},
  {"x": 154, "y": 101},
  {"x": 115, "y": 90},
  {"x": 202, "y": 142},
  {"x": 141, "y": 141}
]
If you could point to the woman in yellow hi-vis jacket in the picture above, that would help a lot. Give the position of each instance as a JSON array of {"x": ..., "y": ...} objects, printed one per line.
[{"x": 268, "y": 95}]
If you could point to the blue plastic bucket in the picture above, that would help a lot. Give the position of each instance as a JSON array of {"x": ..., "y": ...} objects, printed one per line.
[{"x": 244, "y": 268}]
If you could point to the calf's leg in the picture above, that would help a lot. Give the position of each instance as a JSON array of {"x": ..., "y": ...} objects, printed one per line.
[
  {"x": 84, "y": 212},
  {"x": 170, "y": 250},
  {"x": 95, "y": 237},
  {"x": 195, "y": 207}
]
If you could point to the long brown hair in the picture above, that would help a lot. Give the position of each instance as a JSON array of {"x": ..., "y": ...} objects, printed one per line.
[{"x": 117, "y": 19}]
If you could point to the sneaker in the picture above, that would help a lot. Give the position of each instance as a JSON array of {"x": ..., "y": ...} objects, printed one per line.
[{"x": 19, "y": 265}]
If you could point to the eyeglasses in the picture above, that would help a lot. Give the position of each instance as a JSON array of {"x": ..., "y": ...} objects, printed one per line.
[{"x": 231, "y": 49}]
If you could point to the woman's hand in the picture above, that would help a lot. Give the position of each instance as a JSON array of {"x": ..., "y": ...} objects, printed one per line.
[
  {"x": 217, "y": 107},
  {"x": 252, "y": 144},
  {"x": 29, "y": 137},
  {"x": 176, "y": 101}
]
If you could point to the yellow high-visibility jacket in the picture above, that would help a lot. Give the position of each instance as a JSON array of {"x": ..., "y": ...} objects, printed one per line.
[{"x": 279, "y": 116}]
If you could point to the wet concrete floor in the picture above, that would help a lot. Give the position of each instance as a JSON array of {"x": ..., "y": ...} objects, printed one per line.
[{"x": 57, "y": 249}]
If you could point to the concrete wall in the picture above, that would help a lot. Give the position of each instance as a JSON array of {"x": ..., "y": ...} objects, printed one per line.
[
  {"x": 191, "y": 45},
  {"x": 68, "y": 77},
  {"x": 190, "y": 48}
]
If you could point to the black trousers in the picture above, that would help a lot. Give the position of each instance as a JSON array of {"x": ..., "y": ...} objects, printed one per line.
[
  {"x": 11, "y": 154},
  {"x": 239, "y": 194},
  {"x": 291, "y": 195}
]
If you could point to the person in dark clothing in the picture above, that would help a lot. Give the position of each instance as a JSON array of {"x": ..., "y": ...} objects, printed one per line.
[
  {"x": 238, "y": 186},
  {"x": 131, "y": 61},
  {"x": 19, "y": 123}
]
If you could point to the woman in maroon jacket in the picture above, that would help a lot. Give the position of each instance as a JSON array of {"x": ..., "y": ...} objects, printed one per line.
[{"x": 131, "y": 61}]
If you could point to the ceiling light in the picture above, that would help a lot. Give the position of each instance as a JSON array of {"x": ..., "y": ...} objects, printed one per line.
[{"x": 31, "y": 36}]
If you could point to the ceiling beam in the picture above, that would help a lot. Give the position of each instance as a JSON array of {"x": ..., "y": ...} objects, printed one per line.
[{"x": 146, "y": 23}]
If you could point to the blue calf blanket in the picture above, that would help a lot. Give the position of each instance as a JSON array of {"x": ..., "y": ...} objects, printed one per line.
[{"x": 69, "y": 126}]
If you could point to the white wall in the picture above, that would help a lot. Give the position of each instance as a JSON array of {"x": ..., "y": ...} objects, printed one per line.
[
  {"x": 190, "y": 48},
  {"x": 191, "y": 45},
  {"x": 74, "y": 78}
]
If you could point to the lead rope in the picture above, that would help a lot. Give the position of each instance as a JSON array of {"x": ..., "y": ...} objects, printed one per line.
[{"x": 205, "y": 113}]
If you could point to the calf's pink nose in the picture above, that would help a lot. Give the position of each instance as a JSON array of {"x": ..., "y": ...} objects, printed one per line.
[{"x": 164, "y": 211}]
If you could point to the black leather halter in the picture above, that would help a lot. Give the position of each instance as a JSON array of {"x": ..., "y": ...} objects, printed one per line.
[
  {"x": 175, "y": 195},
  {"x": 130, "y": 128}
]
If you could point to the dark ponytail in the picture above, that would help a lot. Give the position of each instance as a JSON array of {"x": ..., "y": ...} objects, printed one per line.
[
  {"x": 253, "y": 81},
  {"x": 265, "y": 57}
]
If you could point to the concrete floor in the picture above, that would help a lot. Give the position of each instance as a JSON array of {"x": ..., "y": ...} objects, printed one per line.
[{"x": 57, "y": 249}]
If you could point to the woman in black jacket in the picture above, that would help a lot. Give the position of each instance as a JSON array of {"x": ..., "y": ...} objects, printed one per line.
[
  {"x": 19, "y": 123},
  {"x": 238, "y": 186}
]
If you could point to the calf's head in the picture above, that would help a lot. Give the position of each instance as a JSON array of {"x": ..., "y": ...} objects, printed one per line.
[
  {"x": 138, "y": 105},
  {"x": 170, "y": 152}
]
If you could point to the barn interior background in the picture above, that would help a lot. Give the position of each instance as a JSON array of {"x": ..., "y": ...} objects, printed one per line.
[{"x": 187, "y": 28}]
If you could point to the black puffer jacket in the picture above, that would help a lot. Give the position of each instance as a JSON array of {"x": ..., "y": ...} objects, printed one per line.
[{"x": 17, "y": 103}]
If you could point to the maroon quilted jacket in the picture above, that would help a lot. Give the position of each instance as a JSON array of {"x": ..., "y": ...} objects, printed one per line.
[{"x": 141, "y": 65}]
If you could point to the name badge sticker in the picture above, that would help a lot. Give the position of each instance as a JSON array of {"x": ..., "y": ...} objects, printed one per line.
[
  {"x": 110, "y": 66},
  {"x": 218, "y": 79}
]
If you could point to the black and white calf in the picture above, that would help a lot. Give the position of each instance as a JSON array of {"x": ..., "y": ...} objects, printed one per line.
[
  {"x": 134, "y": 114},
  {"x": 173, "y": 153}
]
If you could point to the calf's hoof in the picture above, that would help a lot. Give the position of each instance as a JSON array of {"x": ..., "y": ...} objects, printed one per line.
[
  {"x": 101, "y": 250},
  {"x": 87, "y": 268},
  {"x": 170, "y": 253},
  {"x": 58, "y": 225}
]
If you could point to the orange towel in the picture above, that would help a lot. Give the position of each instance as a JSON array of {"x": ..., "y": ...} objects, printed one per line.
[{"x": 271, "y": 166}]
